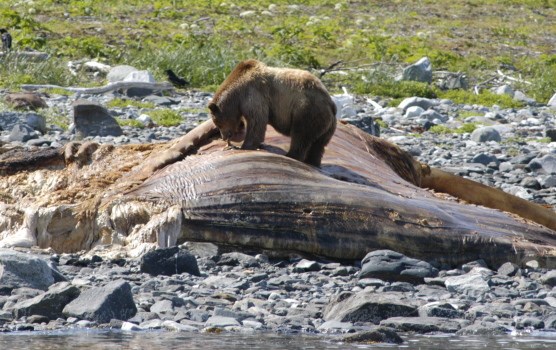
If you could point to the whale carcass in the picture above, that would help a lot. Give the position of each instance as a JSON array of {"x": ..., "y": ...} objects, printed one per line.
[{"x": 367, "y": 195}]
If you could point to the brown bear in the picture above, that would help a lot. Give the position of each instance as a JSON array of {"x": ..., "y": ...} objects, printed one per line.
[{"x": 293, "y": 101}]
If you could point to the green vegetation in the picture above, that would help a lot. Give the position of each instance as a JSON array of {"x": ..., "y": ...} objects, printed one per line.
[
  {"x": 130, "y": 122},
  {"x": 202, "y": 41},
  {"x": 485, "y": 98},
  {"x": 122, "y": 103},
  {"x": 381, "y": 123},
  {"x": 55, "y": 117},
  {"x": 465, "y": 128},
  {"x": 58, "y": 91},
  {"x": 467, "y": 114},
  {"x": 165, "y": 117}
]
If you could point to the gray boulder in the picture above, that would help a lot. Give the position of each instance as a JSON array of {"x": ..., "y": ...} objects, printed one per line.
[
  {"x": 474, "y": 283},
  {"x": 413, "y": 112},
  {"x": 483, "y": 158},
  {"x": 139, "y": 76},
  {"x": 505, "y": 90},
  {"x": 434, "y": 116},
  {"x": 22, "y": 133},
  {"x": 549, "y": 278},
  {"x": 221, "y": 322},
  {"x": 486, "y": 133},
  {"x": 392, "y": 266},
  {"x": 520, "y": 96},
  {"x": 237, "y": 258},
  {"x": 508, "y": 269},
  {"x": 419, "y": 71},
  {"x": 305, "y": 265},
  {"x": 169, "y": 261},
  {"x": 49, "y": 304},
  {"x": 546, "y": 164},
  {"x": 36, "y": 121},
  {"x": 101, "y": 304},
  {"x": 454, "y": 81},
  {"x": 118, "y": 73},
  {"x": 440, "y": 309},
  {"x": 19, "y": 270},
  {"x": 369, "y": 307},
  {"x": 547, "y": 181},
  {"x": 163, "y": 307},
  {"x": 92, "y": 119},
  {"x": 9, "y": 119}
]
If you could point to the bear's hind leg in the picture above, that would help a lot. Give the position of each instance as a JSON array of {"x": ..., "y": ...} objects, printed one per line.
[
  {"x": 316, "y": 150},
  {"x": 298, "y": 147}
]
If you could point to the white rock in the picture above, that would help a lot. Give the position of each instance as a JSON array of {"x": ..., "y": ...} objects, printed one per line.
[
  {"x": 246, "y": 14},
  {"x": 94, "y": 66},
  {"x": 178, "y": 327},
  {"x": 128, "y": 326},
  {"x": 118, "y": 73},
  {"x": 505, "y": 90},
  {"x": 141, "y": 76},
  {"x": 252, "y": 324},
  {"x": 413, "y": 112}
]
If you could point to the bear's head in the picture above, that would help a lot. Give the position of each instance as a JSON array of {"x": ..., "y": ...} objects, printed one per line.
[{"x": 232, "y": 126}]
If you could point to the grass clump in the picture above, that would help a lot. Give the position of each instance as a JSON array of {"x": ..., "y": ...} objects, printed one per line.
[
  {"x": 58, "y": 91},
  {"x": 130, "y": 122},
  {"x": 165, "y": 117},
  {"x": 16, "y": 70},
  {"x": 381, "y": 123},
  {"x": 485, "y": 98},
  {"x": 53, "y": 116},
  {"x": 467, "y": 114},
  {"x": 123, "y": 103},
  {"x": 440, "y": 129},
  {"x": 465, "y": 128}
]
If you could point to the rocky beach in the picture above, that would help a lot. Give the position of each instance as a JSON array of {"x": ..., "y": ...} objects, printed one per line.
[{"x": 207, "y": 287}]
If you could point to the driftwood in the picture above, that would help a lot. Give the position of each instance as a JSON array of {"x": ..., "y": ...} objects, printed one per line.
[
  {"x": 103, "y": 89},
  {"x": 367, "y": 195}
]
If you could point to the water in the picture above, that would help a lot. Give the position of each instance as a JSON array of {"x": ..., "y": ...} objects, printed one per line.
[{"x": 102, "y": 339}]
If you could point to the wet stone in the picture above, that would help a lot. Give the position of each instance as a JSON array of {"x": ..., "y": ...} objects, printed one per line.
[
  {"x": 169, "y": 261},
  {"x": 424, "y": 324},
  {"x": 101, "y": 304},
  {"x": 392, "y": 266},
  {"x": 375, "y": 335},
  {"x": 508, "y": 269}
]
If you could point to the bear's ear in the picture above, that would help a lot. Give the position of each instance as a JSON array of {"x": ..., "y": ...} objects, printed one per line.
[{"x": 214, "y": 109}]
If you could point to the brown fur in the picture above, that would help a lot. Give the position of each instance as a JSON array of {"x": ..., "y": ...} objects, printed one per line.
[{"x": 293, "y": 101}]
